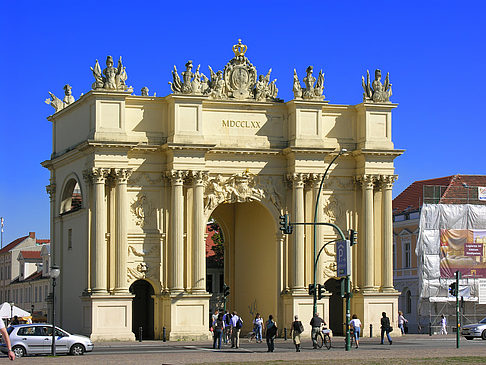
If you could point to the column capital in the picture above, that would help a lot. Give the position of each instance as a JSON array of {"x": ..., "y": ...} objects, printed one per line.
[
  {"x": 177, "y": 176},
  {"x": 122, "y": 175},
  {"x": 198, "y": 177},
  {"x": 367, "y": 181},
  {"x": 387, "y": 181},
  {"x": 96, "y": 175},
  {"x": 297, "y": 179},
  {"x": 314, "y": 180}
]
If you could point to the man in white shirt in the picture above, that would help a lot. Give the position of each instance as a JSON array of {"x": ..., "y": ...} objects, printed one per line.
[
  {"x": 235, "y": 330},
  {"x": 6, "y": 339}
]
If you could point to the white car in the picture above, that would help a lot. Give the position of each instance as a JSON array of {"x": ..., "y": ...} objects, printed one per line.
[
  {"x": 33, "y": 339},
  {"x": 470, "y": 331}
]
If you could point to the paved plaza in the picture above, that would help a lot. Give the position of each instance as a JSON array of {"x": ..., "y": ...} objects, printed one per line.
[{"x": 160, "y": 353}]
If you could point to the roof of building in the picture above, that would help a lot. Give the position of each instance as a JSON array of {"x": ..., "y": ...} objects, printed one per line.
[
  {"x": 31, "y": 254},
  {"x": 12, "y": 244},
  {"x": 43, "y": 241},
  {"x": 454, "y": 189}
]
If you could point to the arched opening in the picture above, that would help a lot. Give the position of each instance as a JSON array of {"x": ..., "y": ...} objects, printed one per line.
[
  {"x": 143, "y": 309},
  {"x": 336, "y": 310},
  {"x": 215, "y": 265},
  {"x": 250, "y": 259},
  {"x": 408, "y": 301},
  {"x": 71, "y": 198}
]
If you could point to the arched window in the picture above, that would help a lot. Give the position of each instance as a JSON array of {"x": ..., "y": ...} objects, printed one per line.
[
  {"x": 408, "y": 301},
  {"x": 71, "y": 199}
]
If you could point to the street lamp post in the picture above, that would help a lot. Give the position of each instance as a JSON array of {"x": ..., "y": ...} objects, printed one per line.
[
  {"x": 343, "y": 150},
  {"x": 11, "y": 311},
  {"x": 54, "y": 273}
]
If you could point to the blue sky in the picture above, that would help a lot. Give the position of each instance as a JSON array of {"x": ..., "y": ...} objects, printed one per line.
[{"x": 434, "y": 51}]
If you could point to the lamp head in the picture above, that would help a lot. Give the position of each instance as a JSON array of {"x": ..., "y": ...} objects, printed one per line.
[
  {"x": 343, "y": 150},
  {"x": 54, "y": 272}
]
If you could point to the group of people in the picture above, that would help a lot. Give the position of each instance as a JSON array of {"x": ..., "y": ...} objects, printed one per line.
[{"x": 227, "y": 326}]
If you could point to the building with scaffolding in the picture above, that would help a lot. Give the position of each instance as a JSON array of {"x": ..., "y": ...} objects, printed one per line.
[{"x": 423, "y": 262}]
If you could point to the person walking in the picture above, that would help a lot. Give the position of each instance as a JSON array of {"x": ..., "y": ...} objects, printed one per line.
[
  {"x": 218, "y": 328},
  {"x": 236, "y": 324},
  {"x": 401, "y": 322},
  {"x": 316, "y": 324},
  {"x": 355, "y": 324},
  {"x": 296, "y": 328},
  {"x": 443, "y": 325},
  {"x": 385, "y": 328},
  {"x": 271, "y": 332},
  {"x": 227, "y": 327},
  {"x": 257, "y": 327},
  {"x": 6, "y": 339}
]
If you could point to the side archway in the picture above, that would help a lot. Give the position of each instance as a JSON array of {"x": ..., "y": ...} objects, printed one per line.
[
  {"x": 143, "y": 309},
  {"x": 71, "y": 197}
]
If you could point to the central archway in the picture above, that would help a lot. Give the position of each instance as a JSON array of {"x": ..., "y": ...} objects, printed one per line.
[
  {"x": 250, "y": 259},
  {"x": 143, "y": 309}
]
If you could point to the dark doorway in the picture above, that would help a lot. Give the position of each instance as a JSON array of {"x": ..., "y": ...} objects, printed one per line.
[
  {"x": 336, "y": 312},
  {"x": 142, "y": 309}
]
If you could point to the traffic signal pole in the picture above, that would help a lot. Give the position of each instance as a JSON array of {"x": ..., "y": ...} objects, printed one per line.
[{"x": 458, "y": 325}]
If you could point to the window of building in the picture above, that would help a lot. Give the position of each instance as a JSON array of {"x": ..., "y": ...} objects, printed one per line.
[
  {"x": 221, "y": 282},
  {"x": 209, "y": 283},
  {"x": 8, "y": 273},
  {"x": 394, "y": 253},
  {"x": 70, "y": 239},
  {"x": 407, "y": 255},
  {"x": 35, "y": 291},
  {"x": 408, "y": 306},
  {"x": 45, "y": 291},
  {"x": 71, "y": 199}
]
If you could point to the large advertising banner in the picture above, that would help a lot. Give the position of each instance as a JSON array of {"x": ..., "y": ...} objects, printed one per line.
[{"x": 463, "y": 250}]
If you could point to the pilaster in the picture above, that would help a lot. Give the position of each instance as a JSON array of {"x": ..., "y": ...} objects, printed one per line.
[
  {"x": 297, "y": 180},
  {"x": 387, "y": 271},
  {"x": 199, "y": 227}
]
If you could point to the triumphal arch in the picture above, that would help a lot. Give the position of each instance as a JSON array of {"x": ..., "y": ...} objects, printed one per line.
[{"x": 135, "y": 178}]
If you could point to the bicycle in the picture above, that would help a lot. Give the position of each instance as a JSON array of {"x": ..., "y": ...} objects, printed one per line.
[{"x": 323, "y": 337}]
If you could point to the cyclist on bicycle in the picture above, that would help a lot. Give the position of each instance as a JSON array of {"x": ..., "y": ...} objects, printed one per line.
[{"x": 316, "y": 324}]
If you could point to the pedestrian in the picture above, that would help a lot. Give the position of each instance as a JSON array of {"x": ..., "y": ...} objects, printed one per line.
[
  {"x": 443, "y": 325},
  {"x": 385, "y": 328},
  {"x": 402, "y": 322},
  {"x": 257, "y": 327},
  {"x": 227, "y": 327},
  {"x": 15, "y": 320},
  {"x": 218, "y": 328},
  {"x": 270, "y": 333},
  {"x": 236, "y": 324},
  {"x": 6, "y": 340},
  {"x": 215, "y": 315},
  {"x": 296, "y": 328},
  {"x": 355, "y": 324},
  {"x": 316, "y": 324}
]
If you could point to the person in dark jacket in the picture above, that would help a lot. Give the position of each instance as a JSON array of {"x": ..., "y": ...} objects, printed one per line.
[
  {"x": 316, "y": 324},
  {"x": 271, "y": 333},
  {"x": 218, "y": 327},
  {"x": 385, "y": 328}
]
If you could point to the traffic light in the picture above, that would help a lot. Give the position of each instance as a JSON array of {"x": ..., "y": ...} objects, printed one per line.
[
  {"x": 226, "y": 290},
  {"x": 453, "y": 289},
  {"x": 312, "y": 289},
  {"x": 285, "y": 227},
  {"x": 352, "y": 237},
  {"x": 320, "y": 291}
]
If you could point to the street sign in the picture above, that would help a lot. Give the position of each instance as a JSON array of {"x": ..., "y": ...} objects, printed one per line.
[{"x": 343, "y": 258}]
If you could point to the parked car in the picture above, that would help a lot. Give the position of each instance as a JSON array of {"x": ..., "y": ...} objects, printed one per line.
[
  {"x": 470, "y": 331},
  {"x": 33, "y": 339}
]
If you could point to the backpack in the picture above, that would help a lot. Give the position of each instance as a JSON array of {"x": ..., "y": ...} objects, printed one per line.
[
  {"x": 239, "y": 323},
  {"x": 301, "y": 327},
  {"x": 227, "y": 319}
]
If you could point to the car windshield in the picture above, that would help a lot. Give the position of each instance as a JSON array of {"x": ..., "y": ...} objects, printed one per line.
[{"x": 483, "y": 320}]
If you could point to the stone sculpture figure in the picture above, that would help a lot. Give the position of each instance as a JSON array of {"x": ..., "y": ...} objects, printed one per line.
[
  {"x": 145, "y": 91},
  {"x": 216, "y": 84},
  {"x": 110, "y": 78},
  {"x": 191, "y": 81},
  {"x": 59, "y": 104},
  {"x": 376, "y": 91},
  {"x": 309, "y": 92}
]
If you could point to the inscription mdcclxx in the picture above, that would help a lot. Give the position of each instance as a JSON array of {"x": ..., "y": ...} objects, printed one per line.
[{"x": 241, "y": 124}]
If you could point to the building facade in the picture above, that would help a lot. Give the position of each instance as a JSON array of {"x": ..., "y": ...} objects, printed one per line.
[{"x": 135, "y": 179}]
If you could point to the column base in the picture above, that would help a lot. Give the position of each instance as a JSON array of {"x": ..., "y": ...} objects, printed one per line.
[
  {"x": 302, "y": 304},
  {"x": 107, "y": 317},
  {"x": 186, "y": 316},
  {"x": 369, "y": 305}
]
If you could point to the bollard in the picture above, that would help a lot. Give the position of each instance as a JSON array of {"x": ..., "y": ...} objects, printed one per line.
[
  {"x": 371, "y": 330},
  {"x": 163, "y": 334},
  {"x": 140, "y": 334},
  {"x": 285, "y": 334},
  {"x": 430, "y": 329}
]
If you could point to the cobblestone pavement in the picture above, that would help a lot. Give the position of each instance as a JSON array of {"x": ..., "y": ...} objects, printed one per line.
[{"x": 160, "y": 353}]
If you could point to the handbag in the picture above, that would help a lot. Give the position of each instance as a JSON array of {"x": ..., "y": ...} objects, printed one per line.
[{"x": 390, "y": 329}]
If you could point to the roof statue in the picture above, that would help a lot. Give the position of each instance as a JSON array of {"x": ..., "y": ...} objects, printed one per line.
[
  {"x": 192, "y": 82},
  {"x": 56, "y": 103},
  {"x": 309, "y": 92},
  {"x": 111, "y": 78},
  {"x": 238, "y": 80},
  {"x": 376, "y": 91},
  {"x": 145, "y": 91}
]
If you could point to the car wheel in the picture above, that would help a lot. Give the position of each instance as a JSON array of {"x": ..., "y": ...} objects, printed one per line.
[
  {"x": 19, "y": 351},
  {"x": 77, "y": 349},
  {"x": 468, "y": 337},
  {"x": 483, "y": 335}
]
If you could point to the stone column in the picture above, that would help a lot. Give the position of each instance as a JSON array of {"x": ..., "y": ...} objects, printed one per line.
[
  {"x": 51, "y": 190},
  {"x": 298, "y": 239},
  {"x": 121, "y": 222},
  {"x": 177, "y": 230},
  {"x": 367, "y": 183},
  {"x": 98, "y": 232},
  {"x": 316, "y": 182},
  {"x": 199, "y": 230},
  {"x": 387, "y": 279}
]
